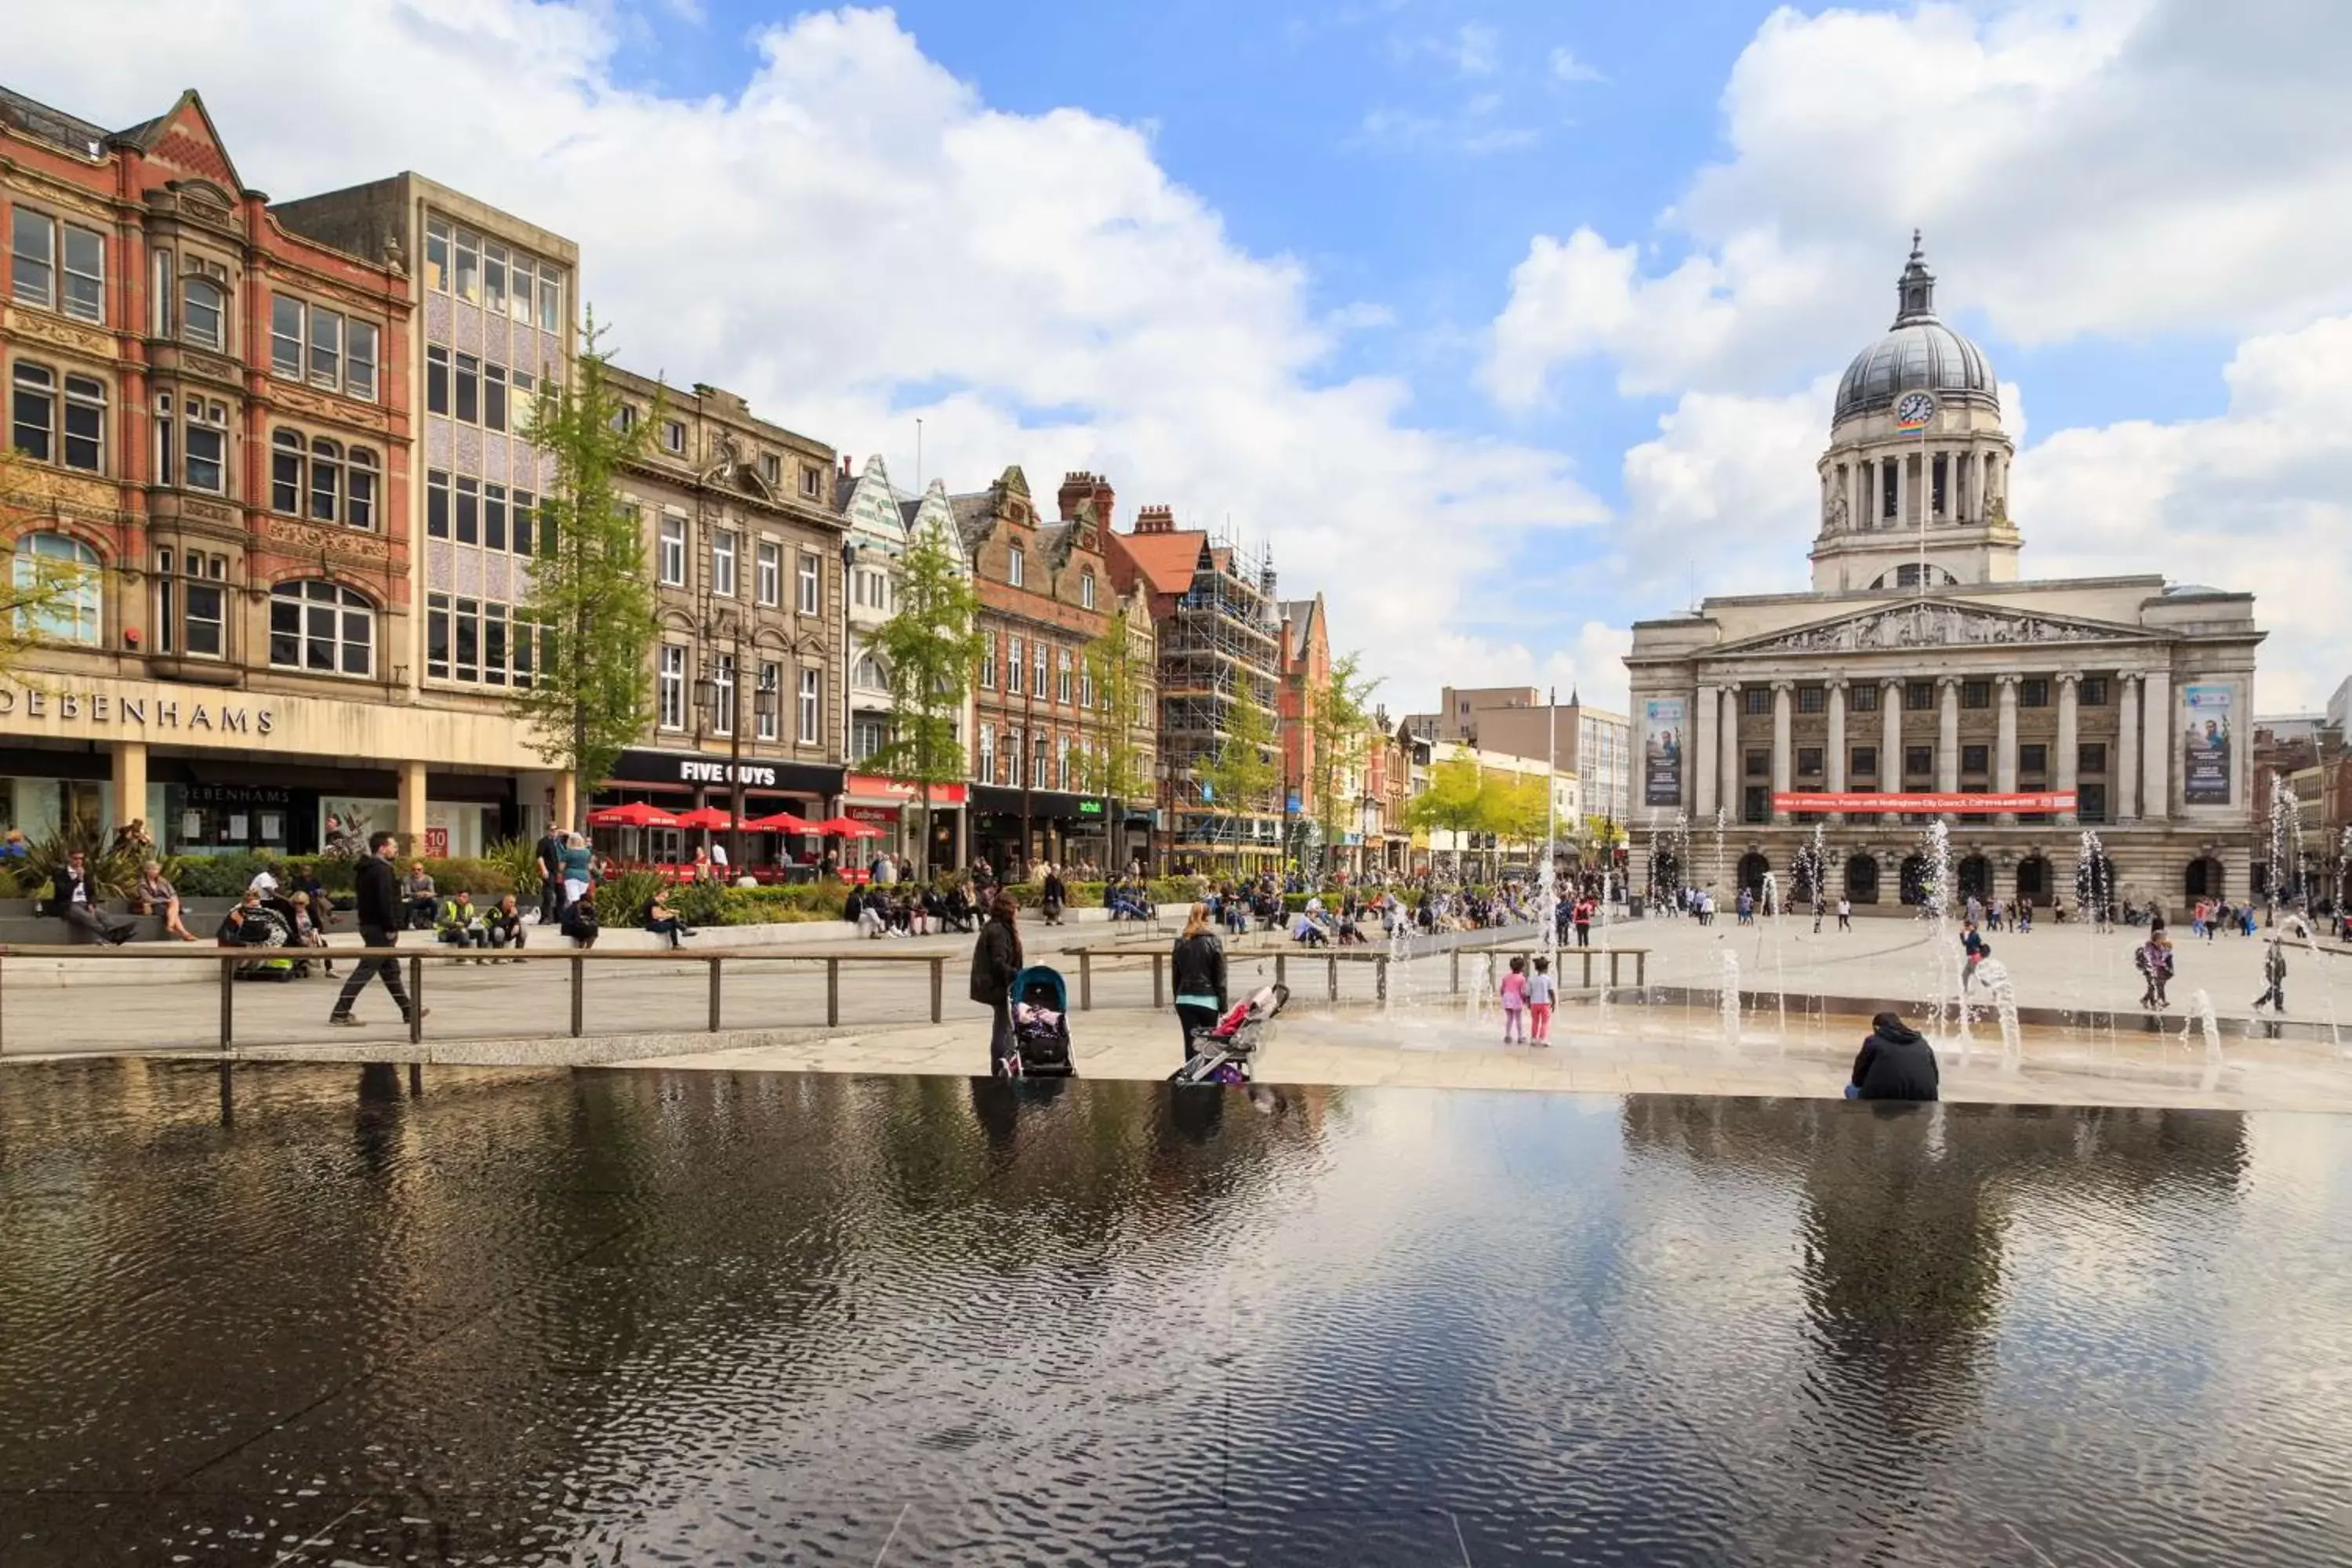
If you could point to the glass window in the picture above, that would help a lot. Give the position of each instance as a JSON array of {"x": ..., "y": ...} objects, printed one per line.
[
  {"x": 985, "y": 755},
  {"x": 469, "y": 639},
  {"x": 673, "y": 435},
  {"x": 436, "y": 380},
  {"x": 1015, "y": 666},
  {"x": 470, "y": 509},
  {"x": 988, "y": 661},
  {"x": 723, "y": 694},
  {"x": 1975, "y": 759},
  {"x": 1862, "y": 698},
  {"x": 469, "y": 390},
  {"x": 359, "y": 359},
  {"x": 1015, "y": 566},
  {"x": 32, "y": 258},
  {"x": 494, "y": 516},
  {"x": 1976, "y": 693},
  {"x": 812, "y": 709},
  {"x": 551, "y": 301},
  {"x": 159, "y": 293},
  {"x": 494, "y": 277},
  {"x": 520, "y": 305},
  {"x": 811, "y": 595},
  {"x": 201, "y": 307},
  {"x": 2094, "y": 691},
  {"x": 469, "y": 265},
  {"x": 494, "y": 396},
  {"x": 770, "y": 583},
  {"x": 71, "y": 614},
  {"x": 670, "y": 552},
  {"x": 2092, "y": 757},
  {"x": 207, "y": 447},
  {"x": 1085, "y": 590},
  {"x": 326, "y": 349},
  {"x": 1037, "y": 672},
  {"x": 85, "y": 275},
  {"x": 32, "y": 422},
  {"x": 166, "y": 601},
  {"x": 326, "y": 480},
  {"x": 437, "y": 503},
  {"x": 359, "y": 482},
  {"x": 1918, "y": 761},
  {"x": 722, "y": 563},
  {"x": 1061, "y": 676},
  {"x": 286, "y": 336},
  {"x": 2033, "y": 759},
  {"x": 769, "y": 699},
  {"x": 286, "y": 473},
  {"x": 2033, "y": 693},
  {"x": 167, "y": 452},
  {"x": 85, "y": 442},
  {"x": 436, "y": 255},
  {"x": 204, "y": 622},
  {"x": 494, "y": 645},
  {"x": 1813, "y": 698},
  {"x": 1756, "y": 699},
  {"x": 1866, "y": 762},
  {"x": 671, "y": 687},
  {"x": 437, "y": 635},
  {"x": 1919, "y": 695},
  {"x": 526, "y": 511}
]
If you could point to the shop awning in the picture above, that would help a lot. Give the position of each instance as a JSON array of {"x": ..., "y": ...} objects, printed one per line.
[{"x": 636, "y": 813}]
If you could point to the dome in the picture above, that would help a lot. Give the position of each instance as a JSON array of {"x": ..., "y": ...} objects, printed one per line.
[{"x": 1918, "y": 352}]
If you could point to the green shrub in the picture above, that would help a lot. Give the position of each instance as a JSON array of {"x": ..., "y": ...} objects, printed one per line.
[{"x": 622, "y": 903}]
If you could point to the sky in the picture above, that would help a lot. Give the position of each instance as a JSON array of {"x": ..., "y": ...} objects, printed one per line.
[{"x": 1501, "y": 323}]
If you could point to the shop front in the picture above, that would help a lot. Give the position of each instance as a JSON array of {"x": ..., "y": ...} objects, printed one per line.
[
  {"x": 1065, "y": 829},
  {"x": 897, "y": 809},
  {"x": 212, "y": 772},
  {"x": 687, "y": 781}
]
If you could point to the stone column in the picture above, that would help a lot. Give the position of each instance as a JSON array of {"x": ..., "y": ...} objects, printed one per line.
[
  {"x": 130, "y": 789},
  {"x": 1834, "y": 752},
  {"x": 2004, "y": 757},
  {"x": 1732, "y": 761},
  {"x": 1782, "y": 772},
  {"x": 1947, "y": 734},
  {"x": 2070, "y": 744},
  {"x": 1890, "y": 736},
  {"x": 412, "y": 808},
  {"x": 1706, "y": 711},
  {"x": 2156, "y": 748},
  {"x": 2126, "y": 768}
]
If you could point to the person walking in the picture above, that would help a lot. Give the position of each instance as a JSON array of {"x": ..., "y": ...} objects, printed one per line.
[
  {"x": 1056, "y": 896},
  {"x": 1584, "y": 922},
  {"x": 1199, "y": 966},
  {"x": 2154, "y": 961},
  {"x": 995, "y": 960},
  {"x": 381, "y": 914},
  {"x": 550, "y": 852},
  {"x": 2274, "y": 978},
  {"x": 1845, "y": 913}
]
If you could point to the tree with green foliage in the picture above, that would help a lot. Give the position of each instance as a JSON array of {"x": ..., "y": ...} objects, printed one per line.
[
  {"x": 1339, "y": 726},
  {"x": 928, "y": 651},
  {"x": 1245, "y": 767},
  {"x": 590, "y": 600},
  {"x": 1451, "y": 802},
  {"x": 1115, "y": 768}
]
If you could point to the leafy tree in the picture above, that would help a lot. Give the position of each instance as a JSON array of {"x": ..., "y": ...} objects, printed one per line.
[
  {"x": 1121, "y": 674},
  {"x": 1451, "y": 802},
  {"x": 928, "y": 651},
  {"x": 589, "y": 595},
  {"x": 1338, "y": 723},
  {"x": 1244, "y": 768}
]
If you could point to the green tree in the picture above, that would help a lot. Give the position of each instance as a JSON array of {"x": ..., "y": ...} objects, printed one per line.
[
  {"x": 1121, "y": 674},
  {"x": 1451, "y": 802},
  {"x": 928, "y": 650},
  {"x": 1338, "y": 723},
  {"x": 1244, "y": 768},
  {"x": 590, "y": 596}
]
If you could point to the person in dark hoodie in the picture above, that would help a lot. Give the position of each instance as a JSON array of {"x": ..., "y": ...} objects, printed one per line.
[
  {"x": 995, "y": 960},
  {"x": 1896, "y": 1063}
]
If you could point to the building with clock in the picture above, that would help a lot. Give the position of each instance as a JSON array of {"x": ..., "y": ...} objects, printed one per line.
[{"x": 1922, "y": 661}]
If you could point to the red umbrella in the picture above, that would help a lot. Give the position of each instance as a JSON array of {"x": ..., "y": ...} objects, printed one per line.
[
  {"x": 781, "y": 822},
  {"x": 636, "y": 813},
  {"x": 847, "y": 827},
  {"x": 706, "y": 817}
]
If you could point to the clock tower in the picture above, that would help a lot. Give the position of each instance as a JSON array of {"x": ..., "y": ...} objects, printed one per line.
[{"x": 1915, "y": 479}]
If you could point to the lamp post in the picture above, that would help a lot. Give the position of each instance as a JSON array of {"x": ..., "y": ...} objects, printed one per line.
[{"x": 707, "y": 699}]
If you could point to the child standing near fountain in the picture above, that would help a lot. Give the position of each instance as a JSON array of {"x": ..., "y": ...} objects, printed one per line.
[
  {"x": 1539, "y": 995},
  {"x": 1515, "y": 1001}
]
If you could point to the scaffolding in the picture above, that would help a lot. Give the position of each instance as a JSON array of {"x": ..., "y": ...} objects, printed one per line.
[{"x": 1221, "y": 646}]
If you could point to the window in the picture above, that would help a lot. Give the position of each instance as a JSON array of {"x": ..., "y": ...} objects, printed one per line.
[
  {"x": 1866, "y": 762},
  {"x": 201, "y": 308},
  {"x": 1862, "y": 698},
  {"x": 468, "y": 402},
  {"x": 437, "y": 503},
  {"x": 1975, "y": 759},
  {"x": 436, "y": 255},
  {"x": 810, "y": 710},
  {"x": 436, "y": 380},
  {"x": 494, "y": 516},
  {"x": 670, "y": 686},
  {"x": 1756, "y": 699},
  {"x": 1756, "y": 804},
  {"x": 669, "y": 556},
  {"x": 985, "y": 755},
  {"x": 326, "y": 480},
  {"x": 323, "y": 628},
  {"x": 772, "y": 678},
  {"x": 988, "y": 660},
  {"x": 811, "y": 600},
  {"x": 673, "y": 435},
  {"x": 526, "y": 512},
  {"x": 866, "y": 673},
  {"x": 1014, "y": 668},
  {"x": 2094, "y": 691},
  {"x": 1086, "y": 685},
  {"x": 326, "y": 349},
  {"x": 812, "y": 482},
  {"x": 1918, "y": 761},
  {"x": 494, "y": 277},
  {"x": 1811, "y": 699},
  {"x": 769, "y": 581},
  {"x": 33, "y": 257},
  {"x": 470, "y": 509},
  {"x": 771, "y": 469},
  {"x": 526, "y": 399},
  {"x": 550, "y": 300},
  {"x": 2091, "y": 757},
  {"x": 494, "y": 397},
  {"x": 1919, "y": 695},
  {"x": 1809, "y": 761},
  {"x": 2035, "y": 693},
  {"x": 1085, "y": 590},
  {"x": 2033, "y": 760},
  {"x": 358, "y": 493},
  {"x": 1015, "y": 566},
  {"x": 723, "y": 695},
  {"x": 159, "y": 294},
  {"x": 1037, "y": 670},
  {"x": 286, "y": 337},
  {"x": 85, "y": 254},
  {"x": 625, "y": 418},
  {"x": 167, "y": 452},
  {"x": 71, "y": 431},
  {"x": 1759, "y": 764},
  {"x": 866, "y": 736},
  {"x": 1976, "y": 693},
  {"x": 469, "y": 265},
  {"x": 1062, "y": 692},
  {"x": 207, "y": 445},
  {"x": 166, "y": 601},
  {"x": 2091, "y": 803},
  {"x": 520, "y": 300},
  {"x": 71, "y": 615},
  {"x": 1062, "y": 762},
  {"x": 722, "y": 563},
  {"x": 33, "y": 419},
  {"x": 204, "y": 629}
]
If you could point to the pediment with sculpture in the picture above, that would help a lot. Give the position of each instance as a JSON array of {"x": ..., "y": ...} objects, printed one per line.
[{"x": 1934, "y": 624}]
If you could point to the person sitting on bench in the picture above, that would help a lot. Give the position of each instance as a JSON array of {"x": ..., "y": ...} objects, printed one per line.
[
  {"x": 461, "y": 922},
  {"x": 505, "y": 925},
  {"x": 662, "y": 920},
  {"x": 418, "y": 891},
  {"x": 73, "y": 898}
]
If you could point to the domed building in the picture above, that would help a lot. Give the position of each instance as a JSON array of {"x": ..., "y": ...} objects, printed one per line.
[{"x": 1924, "y": 677}]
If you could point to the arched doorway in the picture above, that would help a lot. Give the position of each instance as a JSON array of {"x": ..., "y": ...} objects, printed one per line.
[
  {"x": 1666, "y": 874},
  {"x": 1916, "y": 873},
  {"x": 1974, "y": 875},
  {"x": 1753, "y": 868},
  {"x": 2202, "y": 880},
  {"x": 2033, "y": 881},
  {"x": 1862, "y": 880}
]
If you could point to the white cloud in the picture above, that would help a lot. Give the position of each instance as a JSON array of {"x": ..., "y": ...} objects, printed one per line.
[
  {"x": 1724, "y": 500},
  {"x": 856, "y": 221},
  {"x": 1566, "y": 66},
  {"x": 1472, "y": 49},
  {"x": 2080, "y": 166}
]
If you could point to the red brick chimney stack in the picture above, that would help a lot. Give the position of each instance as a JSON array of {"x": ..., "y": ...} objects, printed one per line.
[
  {"x": 1083, "y": 486},
  {"x": 1155, "y": 520}
]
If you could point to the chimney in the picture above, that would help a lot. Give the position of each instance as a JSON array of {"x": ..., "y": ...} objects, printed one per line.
[{"x": 1155, "y": 520}]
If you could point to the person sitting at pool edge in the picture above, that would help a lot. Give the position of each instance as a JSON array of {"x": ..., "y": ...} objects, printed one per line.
[
  {"x": 505, "y": 925},
  {"x": 1896, "y": 1063}
]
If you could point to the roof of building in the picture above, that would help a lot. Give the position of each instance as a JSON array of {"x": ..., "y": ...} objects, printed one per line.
[
  {"x": 1165, "y": 561},
  {"x": 54, "y": 126},
  {"x": 1298, "y": 625},
  {"x": 1918, "y": 352}
]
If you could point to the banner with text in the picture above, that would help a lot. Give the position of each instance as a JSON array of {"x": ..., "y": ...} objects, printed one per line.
[
  {"x": 1662, "y": 751},
  {"x": 2035, "y": 803},
  {"x": 2205, "y": 775}
]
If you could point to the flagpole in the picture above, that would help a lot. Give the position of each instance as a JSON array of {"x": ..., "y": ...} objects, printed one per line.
[{"x": 1551, "y": 824}]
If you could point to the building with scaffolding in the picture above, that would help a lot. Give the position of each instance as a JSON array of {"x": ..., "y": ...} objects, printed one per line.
[{"x": 1220, "y": 647}]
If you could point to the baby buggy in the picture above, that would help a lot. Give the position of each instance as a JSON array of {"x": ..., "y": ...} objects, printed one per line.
[
  {"x": 1228, "y": 1053},
  {"x": 1040, "y": 1025},
  {"x": 268, "y": 926}
]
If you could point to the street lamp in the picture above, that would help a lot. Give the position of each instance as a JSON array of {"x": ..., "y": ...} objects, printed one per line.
[{"x": 727, "y": 712}]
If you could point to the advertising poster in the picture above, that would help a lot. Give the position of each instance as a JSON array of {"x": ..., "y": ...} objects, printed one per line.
[
  {"x": 1662, "y": 751},
  {"x": 2205, "y": 745}
]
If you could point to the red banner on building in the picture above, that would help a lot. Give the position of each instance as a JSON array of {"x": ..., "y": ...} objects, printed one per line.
[{"x": 2041, "y": 800}]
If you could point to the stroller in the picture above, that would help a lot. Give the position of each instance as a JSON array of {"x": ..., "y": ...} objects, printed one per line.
[
  {"x": 1228, "y": 1053},
  {"x": 1041, "y": 1025},
  {"x": 270, "y": 927}
]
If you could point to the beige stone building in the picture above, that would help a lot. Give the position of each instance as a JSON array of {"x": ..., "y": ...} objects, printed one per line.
[{"x": 1922, "y": 662}]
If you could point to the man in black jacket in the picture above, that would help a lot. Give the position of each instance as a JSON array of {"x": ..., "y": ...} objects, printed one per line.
[
  {"x": 550, "y": 879},
  {"x": 73, "y": 898},
  {"x": 995, "y": 961},
  {"x": 1896, "y": 1063},
  {"x": 380, "y": 913}
]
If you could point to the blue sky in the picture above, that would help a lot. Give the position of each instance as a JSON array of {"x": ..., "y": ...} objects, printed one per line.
[{"x": 1503, "y": 323}]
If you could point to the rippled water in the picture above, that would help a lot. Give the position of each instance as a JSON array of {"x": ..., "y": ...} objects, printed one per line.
[{"x": 621, "y": 1317}]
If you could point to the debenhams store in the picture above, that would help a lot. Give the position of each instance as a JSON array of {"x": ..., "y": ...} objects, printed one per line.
[{"x": 214, "y": 771}]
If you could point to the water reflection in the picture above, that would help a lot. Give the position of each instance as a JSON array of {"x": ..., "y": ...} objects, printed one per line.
[{"x": 612, "y": 1316}]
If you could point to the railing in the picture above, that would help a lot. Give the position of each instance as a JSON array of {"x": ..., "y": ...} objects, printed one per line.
[{"x": 1379, "y": 957}]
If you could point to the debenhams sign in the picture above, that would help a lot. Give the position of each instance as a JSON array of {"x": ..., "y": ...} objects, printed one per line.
[{"x": 150, "y": 715}]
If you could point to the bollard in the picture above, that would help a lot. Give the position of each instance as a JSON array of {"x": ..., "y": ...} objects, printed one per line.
[
  {"x": 578, "y": 993},
  {"x": 1333, "y": 985},
  {"x": 1159, "y": 981},
  {"x": 415, "y": 999},
  {"x": 832, "y": 992},
  {"x": 1085, "y": 981},
  {"x": 939, "y": 986},
  {"x": 714, "y": 994},
  {"x": 228, "y": 1003}
]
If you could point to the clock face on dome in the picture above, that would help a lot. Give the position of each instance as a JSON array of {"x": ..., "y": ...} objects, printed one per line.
[{"x": 1914, "y": 409}]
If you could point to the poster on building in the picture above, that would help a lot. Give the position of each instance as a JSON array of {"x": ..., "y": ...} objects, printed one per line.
[
  {"x": 1662, "y": 751},
  {"x": 2205, "y": 774}
]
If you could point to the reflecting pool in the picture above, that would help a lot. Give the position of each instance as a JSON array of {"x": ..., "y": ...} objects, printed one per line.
[{"x": 611, "y": 1317}]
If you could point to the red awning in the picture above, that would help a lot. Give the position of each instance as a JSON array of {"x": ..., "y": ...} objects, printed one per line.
[{"x": 636, "y": 813}]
